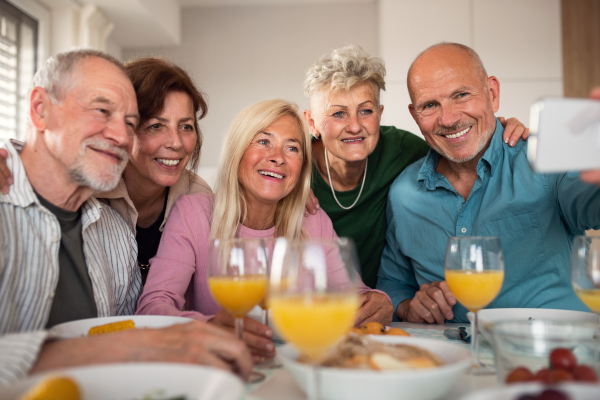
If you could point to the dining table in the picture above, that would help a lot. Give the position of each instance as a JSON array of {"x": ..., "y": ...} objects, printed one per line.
[{"x": 280, "y": 384}]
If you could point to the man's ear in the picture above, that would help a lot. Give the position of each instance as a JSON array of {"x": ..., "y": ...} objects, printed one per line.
[
  {"x": 411, "y": 110},
  {"x": 38, "y": 108},
  {"x": 494, "y": 92}
]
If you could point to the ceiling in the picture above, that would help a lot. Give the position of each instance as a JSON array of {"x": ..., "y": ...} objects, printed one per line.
[{"x": 212, "y": 3}]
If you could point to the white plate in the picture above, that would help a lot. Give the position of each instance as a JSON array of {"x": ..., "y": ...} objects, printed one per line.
[
  {"x": 81, "y": 327},
  {"x": 490, "y": 315},
  {"x": 134, "y": 381},
  {"x": 348, "y": 384},
  {"x": 512, "y": 392}
]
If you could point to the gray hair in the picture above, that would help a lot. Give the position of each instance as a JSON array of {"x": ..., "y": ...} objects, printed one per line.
[
  {"x": 344, "y": 68},
  {"x": 56, "y": 74},
  {"x": 475, "y": 60}
]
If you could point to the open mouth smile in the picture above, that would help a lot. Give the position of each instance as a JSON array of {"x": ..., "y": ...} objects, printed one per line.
[
  {"x": 458, "y": 134},
  {"x": 353, "y": 140},
  {"x": 167, "y": 162},
  {"x": 271, "y": 174}
]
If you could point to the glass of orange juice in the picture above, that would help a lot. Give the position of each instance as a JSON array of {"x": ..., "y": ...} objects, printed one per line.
[
  {"x": 237, "y": 278},
  {"x": 313, "y": 296},
  {"x": 585, "y": 270},
  {"x": 474, "y": 269}
]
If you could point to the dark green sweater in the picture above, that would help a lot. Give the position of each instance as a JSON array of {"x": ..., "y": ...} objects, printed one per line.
[{"x": 365, "y": 223}]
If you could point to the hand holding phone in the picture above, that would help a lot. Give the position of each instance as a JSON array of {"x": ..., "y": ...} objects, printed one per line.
[{"x": 565, "y": 135}]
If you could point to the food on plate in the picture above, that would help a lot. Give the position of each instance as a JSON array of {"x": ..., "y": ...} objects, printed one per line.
[
  {"x": 359, "y": 352},
  {"x": 563, "y": 368},
  {"x": 112, "y": 327},
  {"x": 53, "y": 388},
  {"x": 548, "y": 394},
  {"x": 375, "y": 328}
]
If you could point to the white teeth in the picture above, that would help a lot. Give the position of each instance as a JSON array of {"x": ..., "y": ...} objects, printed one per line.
[
  {"x": 351, "y": 140},
  {"x": 273, "y": 174},
  {"x": 168, "y": 163},
  {"x": 458, "y": 134}
]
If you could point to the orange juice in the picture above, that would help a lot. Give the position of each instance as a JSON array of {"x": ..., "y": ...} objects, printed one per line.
[
  {"x": 313, "y": 323},
  {"x": 591, "y": 298},
  {"x": 474, "y": 289},
  {"x": 238, "y": 294}
]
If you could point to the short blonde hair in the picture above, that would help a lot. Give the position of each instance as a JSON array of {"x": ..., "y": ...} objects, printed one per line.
[
  {"x": 345, "y": 68},
  {"x": 230, "y": 206}
]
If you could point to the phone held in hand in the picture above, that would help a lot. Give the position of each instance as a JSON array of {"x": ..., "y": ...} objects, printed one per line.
[{"x": 565, "y": 135}]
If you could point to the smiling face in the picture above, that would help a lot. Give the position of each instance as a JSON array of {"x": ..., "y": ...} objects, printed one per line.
[
  {"x": 271, "y": 165},
  {"x": 87, "y": 132},
  {"x": 346, "y": 121},
  {"x": 453, "y": 104},
  {"x": 163, "y": 145}
]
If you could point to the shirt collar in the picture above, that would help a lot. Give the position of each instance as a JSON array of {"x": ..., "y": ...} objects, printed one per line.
[{"x": 492, "y": 155}]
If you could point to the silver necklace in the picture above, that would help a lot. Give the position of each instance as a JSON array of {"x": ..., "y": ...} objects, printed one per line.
[{"x": 362, "y": 185}]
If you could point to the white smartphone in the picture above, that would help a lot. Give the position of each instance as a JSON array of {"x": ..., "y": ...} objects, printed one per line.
[{"x": 565, "y": 135}]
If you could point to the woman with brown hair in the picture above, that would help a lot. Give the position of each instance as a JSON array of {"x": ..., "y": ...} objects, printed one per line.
[{"x": 166, "y": 142}]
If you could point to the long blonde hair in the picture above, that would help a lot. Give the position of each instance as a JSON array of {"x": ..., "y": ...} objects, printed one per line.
[{"x": 230, "y": 201}]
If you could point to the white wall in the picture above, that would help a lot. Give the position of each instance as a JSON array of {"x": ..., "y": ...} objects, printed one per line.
[
  {"x": 518, "y": 41},
  {"x": 241, "y": 55}
]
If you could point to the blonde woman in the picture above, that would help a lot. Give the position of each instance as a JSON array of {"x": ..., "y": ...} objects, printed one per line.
[{"x": 261, "y": 191}]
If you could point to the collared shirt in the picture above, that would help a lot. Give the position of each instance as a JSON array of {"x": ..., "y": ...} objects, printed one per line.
[
  {"x": 535, "y": 216},
  {"x": 29, "y": 245}
]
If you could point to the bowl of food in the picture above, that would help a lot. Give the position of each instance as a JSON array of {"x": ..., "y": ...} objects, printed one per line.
[
  {"x": 546, "y": 351},
  {"x": 85, "y": 327},
  {"x": 537, "y": 391},
  {"x": 384, "y": 367},
  {"x": 131, "y": 381},
  {"x": 487, "y": 317}
]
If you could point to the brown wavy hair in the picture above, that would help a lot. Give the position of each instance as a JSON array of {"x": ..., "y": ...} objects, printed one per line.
[{"x": 153, "y": 78}]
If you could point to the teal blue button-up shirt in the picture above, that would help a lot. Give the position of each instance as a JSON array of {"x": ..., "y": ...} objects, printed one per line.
[{"x": 535, "y": 216}]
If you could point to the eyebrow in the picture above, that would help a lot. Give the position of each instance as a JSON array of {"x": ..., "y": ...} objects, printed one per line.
[
  {"x": 180, "y": 120},
  {"x": 345, "y": 107},
  {"x": 270, "y": 134},
  {"x": 452, "y": 94},
  {"x": 104, "y": 100}
]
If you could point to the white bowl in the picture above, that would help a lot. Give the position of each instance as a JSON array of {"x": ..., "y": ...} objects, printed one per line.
[
  {"x": 348, "y": 384},
  {"x": 512, "y": 392},
  {"x": 135, "y": 381},
  {"x": 81, "y": 327},
  {"x": 488, "y": 316}
]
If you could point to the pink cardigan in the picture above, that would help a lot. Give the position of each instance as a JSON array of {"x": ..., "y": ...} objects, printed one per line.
[{"x": 178, "y": 273}]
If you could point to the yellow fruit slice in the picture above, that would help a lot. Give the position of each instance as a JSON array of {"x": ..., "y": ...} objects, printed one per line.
[
  {"x": 55, "y": 388},
  {"x": 112, "y": 327}
]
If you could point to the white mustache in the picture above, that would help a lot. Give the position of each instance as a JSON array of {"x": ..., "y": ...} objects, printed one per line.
[{"x": 103, "y": 145}]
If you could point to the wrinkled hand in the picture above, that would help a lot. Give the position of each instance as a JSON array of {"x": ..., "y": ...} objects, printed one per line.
[
  {"x": 513, "y": 131},
  {"x": 376, "y": 307},
  {"x": 256, "y": 335},
  {"x": 192, "y": 343},
  {"x": 312, "y": 204},
  {"x": 592, "y": 176},
  {"x": 6, "y": 178},
  {"x": 432, "y": 304}
]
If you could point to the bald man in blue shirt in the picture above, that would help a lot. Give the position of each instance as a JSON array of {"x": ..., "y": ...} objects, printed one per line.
[{"x": 472, "y": 184}]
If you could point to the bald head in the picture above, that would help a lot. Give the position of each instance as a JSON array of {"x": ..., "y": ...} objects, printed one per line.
[{"x": 435, "y": 60}]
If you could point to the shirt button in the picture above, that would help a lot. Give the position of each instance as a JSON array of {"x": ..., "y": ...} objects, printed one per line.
[{"x": 463, "y": 230}]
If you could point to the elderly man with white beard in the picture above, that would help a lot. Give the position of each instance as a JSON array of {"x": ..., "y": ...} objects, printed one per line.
[{"x": 64, "y": 255}]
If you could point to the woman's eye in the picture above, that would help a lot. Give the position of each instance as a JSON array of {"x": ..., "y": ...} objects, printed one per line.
[
  {"x": 295, "y": 149},
  {"x": 102, "y": 110},
  {"x": 188, "y": 127},
  {"x": 366, "y": 112},
  {"x": 338, "y": 114},
  {"x": 154, "y": 126},
  {"x": 262, "y": 141}
]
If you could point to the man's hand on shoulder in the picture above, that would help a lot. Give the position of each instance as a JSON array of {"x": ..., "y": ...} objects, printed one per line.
[
  {"x": 193, "y": 343},
  {"x": 6, "y": 178},
  {"x": 431, "y": 304}
]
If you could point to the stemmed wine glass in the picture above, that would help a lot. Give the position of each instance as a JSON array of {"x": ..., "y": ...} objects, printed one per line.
[
  {"x": 237, "y": 277},
  {"x": 314, "y": 296},
  {"x": 585, "y": 271},
  {"x": 474, "y": 269}
]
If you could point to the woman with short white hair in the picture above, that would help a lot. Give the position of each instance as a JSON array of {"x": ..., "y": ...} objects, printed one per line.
[
  {"x": 262, "y": 185},
  {"x": 355, "y": 159}
]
